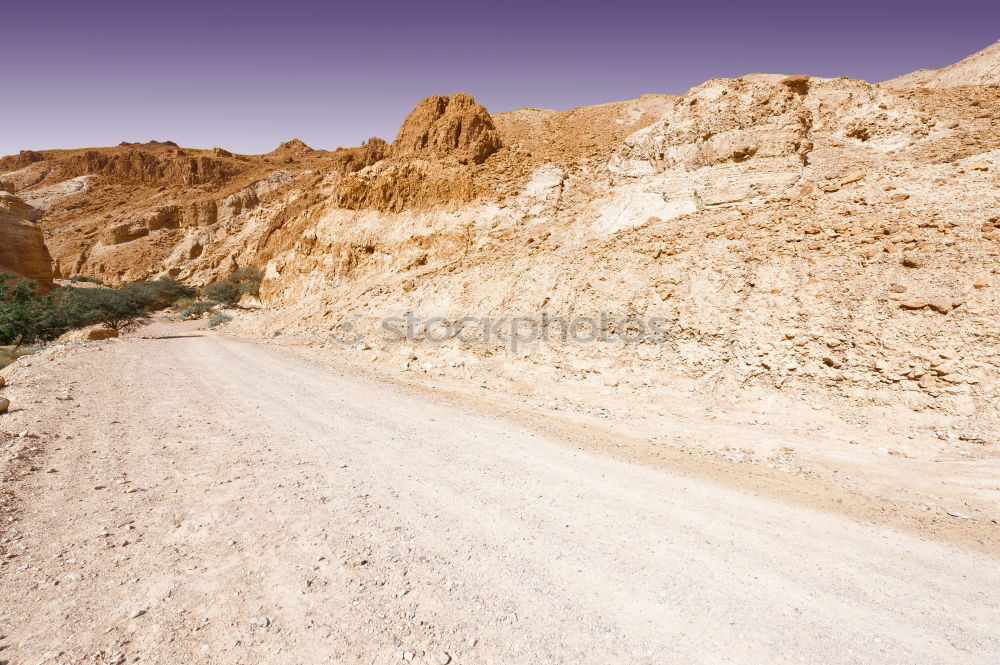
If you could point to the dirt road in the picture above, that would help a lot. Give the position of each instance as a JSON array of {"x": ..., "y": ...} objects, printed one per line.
[{"x": 213, "y": 501}]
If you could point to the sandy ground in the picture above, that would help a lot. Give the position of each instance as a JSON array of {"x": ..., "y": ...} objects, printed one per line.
[{"x": 187, "y": 497}]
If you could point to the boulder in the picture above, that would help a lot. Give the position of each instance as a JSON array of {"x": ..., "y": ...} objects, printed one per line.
[
  {"x": 98, "y": 334},
  {"x": 22, "y": 246},
  {"x": 799, "y": 83}
]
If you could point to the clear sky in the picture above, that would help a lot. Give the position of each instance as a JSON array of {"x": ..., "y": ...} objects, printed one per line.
[{"x": 247, "y": 75}]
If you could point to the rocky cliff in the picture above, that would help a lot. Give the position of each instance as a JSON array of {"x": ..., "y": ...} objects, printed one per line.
[{"x": 22, "y": 246}]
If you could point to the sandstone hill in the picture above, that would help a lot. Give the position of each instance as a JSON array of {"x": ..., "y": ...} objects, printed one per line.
[
  {"x": 800, "y": 234},
  {"x": 982, "y": 68}
]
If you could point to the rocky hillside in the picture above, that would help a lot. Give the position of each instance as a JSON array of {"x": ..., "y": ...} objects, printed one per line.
[
  {"x": 799, "y": 234},
  {"x": 982, "y": 68},
  {"x": 141, "y": 210},
  {"x": 804, "y": 235}
]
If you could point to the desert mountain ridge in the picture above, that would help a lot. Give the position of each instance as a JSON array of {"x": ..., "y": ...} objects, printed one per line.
[{"x": 800, "y": 234}]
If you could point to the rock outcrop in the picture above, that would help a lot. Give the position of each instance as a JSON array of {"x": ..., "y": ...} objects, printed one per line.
[
  {"x": 22, "y": 247},
  {"x": 441, "y": 127},
  {"x": 372, "y": 151},
  {"x": 18, "y": 207},
  {"x": 428, "y": 163}
]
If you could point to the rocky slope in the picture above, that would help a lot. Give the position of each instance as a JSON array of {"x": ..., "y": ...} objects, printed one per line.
[
  {"x": 982, "y": 68},
  {"x": 802, "y": 235}
]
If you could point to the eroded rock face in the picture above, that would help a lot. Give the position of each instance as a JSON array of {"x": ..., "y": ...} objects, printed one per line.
[
  {"x": 739, "y": 141},
  {"x": 767, "y": 218},
  {"x": 428, "y": 163},
  {"x": 22, "y": 159},
  {"x": 729, "y": 121},
  {"x": 18, "y": 207},
  {"x": 22, "y": 247},
  {"x": 396, "y": 187},
  {"x": 766, "y": 118},
  {"x": 453, "y": 126},
  {"x": 370, "y": 152},
  {"x": 141, "y": 166}
]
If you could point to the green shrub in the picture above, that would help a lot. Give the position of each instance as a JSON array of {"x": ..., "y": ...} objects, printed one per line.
[
  {"x": 197, "y": 308},
  {"x": 249, "y": 279},
  {"x": 241, "y": 282},
  {"x": 159, "y": 294},
  {"x": 26, "y": 317},
  {"x": 225, "y": 292},
  {"x": 218, "y": 320},
  {"x": 118, "y": 309}
]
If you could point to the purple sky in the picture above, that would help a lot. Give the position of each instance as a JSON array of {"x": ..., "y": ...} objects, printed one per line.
[{"x": 246, "y": 76}]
